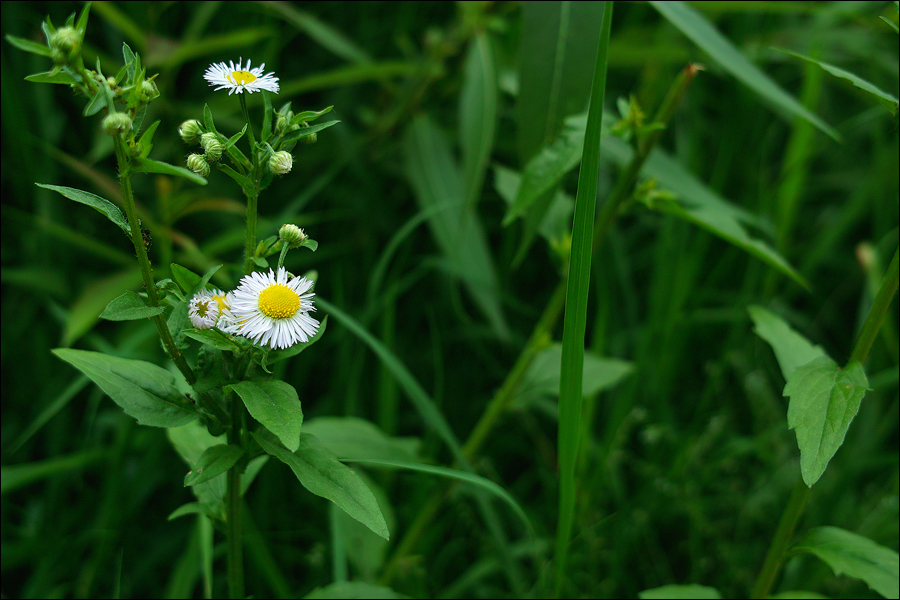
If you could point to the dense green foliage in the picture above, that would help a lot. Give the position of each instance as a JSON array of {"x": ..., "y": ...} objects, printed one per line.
[{"x": 765, "y": 211}]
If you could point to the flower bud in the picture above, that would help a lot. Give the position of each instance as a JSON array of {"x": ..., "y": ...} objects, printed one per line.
[
  {"x": 68, "y": 40},
  {"x": 149, "y": 91},
  {"x": 190, "y": 131},
  {"x": 309, "y": 139},
  {"x": 281, "y": 163},
  {"x": 111, "y": 81},
  {"x": 197, "y": 163},
  {"x": 281, "y": 123},
  {"x": 116, "y": 123},
  {"x": 292, "y": 235},
  {"x": 212, "y": 146}
]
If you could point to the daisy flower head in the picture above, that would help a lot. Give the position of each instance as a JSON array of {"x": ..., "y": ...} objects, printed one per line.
[
  {"x": 240, "y": 78},
  {"x": 273, "y": 309},
  {"x": 203, "y": 311}
]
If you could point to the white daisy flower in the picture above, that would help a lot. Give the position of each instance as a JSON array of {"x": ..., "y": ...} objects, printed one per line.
[
  {"x": 272, "y": 310},
  {"x": 203, "y": 311},
  {"x": 240, "y": 78}
]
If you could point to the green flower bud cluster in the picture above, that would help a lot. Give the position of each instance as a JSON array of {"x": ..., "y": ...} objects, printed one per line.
[
  {"x": 212, "y": 146},
  {"x": 197, "y": 163},
  {"x": 65, "y": 45}
]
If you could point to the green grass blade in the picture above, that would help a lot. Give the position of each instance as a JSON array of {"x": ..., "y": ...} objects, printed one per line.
[
  {"x": 570, "y": 397},
  {"x": 477, "y": 114},
  {"x": 701, "y": 32}
]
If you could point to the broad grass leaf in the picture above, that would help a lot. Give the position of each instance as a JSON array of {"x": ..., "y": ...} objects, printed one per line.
[
  {"x": 214, "y": 461},
  {"x": 143, "y": 390},
  {"x": 851, "y": 554},
  {"x": 791, "y": 349},
  {"x": 276, "y": 405},
  {"x": 130, "y": 306},
  {"x": 436, "y": 181},
  {"x": 687, "y": 592},
  {"x": 889, "y": 101},
  {"x": 351, "y": 437},
  {"x": 324, "y": 475},
  {"x": 102, "y": 205},
  {"x": 352, "y": 590},
  {"x": 477, "y": 114},
  {"x": 823, "y": 401},
  {"x": 695, "y": 26}
]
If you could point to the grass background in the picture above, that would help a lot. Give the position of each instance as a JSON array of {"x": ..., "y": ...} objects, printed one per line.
[{"x": 689, "y": 461}]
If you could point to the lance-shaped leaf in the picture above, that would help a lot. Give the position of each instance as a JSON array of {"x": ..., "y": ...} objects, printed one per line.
[
  {"x": 147, "y": 165},
  {"x": 276, "y": 405},
  {"x": 102, "y": 205},
  {"x": 324, "y": 475},
  {"x": 212, "y": 463},
  {"x": 855, "y": 556},
  {"x": 143, "y": 390},
  {"x": 824, "y": 400},
  {"x": 130, "y": 307}
]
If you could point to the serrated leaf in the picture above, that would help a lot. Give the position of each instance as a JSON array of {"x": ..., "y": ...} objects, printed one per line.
[
  {"x": 276, "y": 405},
  {"x": 320, "y": 472},
  {"x": 102, "y": 205},
  {"x": 143, "y": 390},
  {"x": 856, "y": 556},
  {"x": 148, "y": 165},
  {"x": 889, "y": 101},
  {"x": 28, "y": 45},
  {"x": 130, "y": 307},
  {"x": 791, "y": 349},
  {"x": 690, "y": 591},
  {"x": 823, "y": 401},
  {"x": 212, "y": 463}
]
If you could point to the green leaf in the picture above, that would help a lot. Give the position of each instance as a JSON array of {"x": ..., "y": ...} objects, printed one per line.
[
  {"x": 853, "y": 555},
  {"x": 130, "y": 307},
  {"x": 191, "y": 441},
  {"x": 544, "y": 172},
  {"x": 146, "y": 141},
  {"x": 245, "y": 183},
  {"x": 557, "y": 219},
  {"x": 889, "y": 101},
  {"x": 823, "y": 401},
  {"x": 102, "y": 205},
  {"x": 306, "y": 131},
  {"x": 791, "y": 348},
  {"x": 476, "y": 480},
  {"x": 322, "y": 33},
  {"x": 144, "y": 391},
  {"x": 81, "y": 23},
  {"x": 212, "y": 337},
  {"x": 97, "y": 103},
  {"x": 28, "y": 45},
  {"x": 276, "y": 405},
  {"x": 208, "y": 122},
  {"x": 706, "y": 36},
  {"x": 798, "y": 595},
  {"x": 436, "y": 181},
  {"x": 186, "y": 279},
  {"x": 350, "y": 437},
  {"x": 352, "y": 590},
  {"x": 191, "y": 508},
  {"x": 575, "y": 317},
  {"x": 309, "y": 115},
  {"x": 686, "y": 592},
  {"x": 212, "y": 463},
  {"x": 147, "y": 165},
  {"x": 208, "y": 275},
  {"x": 60, "y": 77},
  {"x": 130, "y": 60},
  {"x": 701, "y": 206},
  {"x": 267, "y": 117},
  {"x": 477, "y": 114},
  {"x": 276, "y": 355},
  {"x": 324, "y": 475}
]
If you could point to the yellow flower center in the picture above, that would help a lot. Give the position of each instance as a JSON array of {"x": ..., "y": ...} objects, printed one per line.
[
  {"x": 243, "y": 77},
  {"x": 279, "y": 301},
  {"x": 221, "y": 301}
]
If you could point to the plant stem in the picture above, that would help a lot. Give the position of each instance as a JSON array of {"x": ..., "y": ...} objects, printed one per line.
[
  {"x": 877, "y": 313},
  {"x": 783, "y": 535},
  {"x": 233, "y": 506},
  {"x": 250, "y": 242},
  {"x": 800, "y": 496},
  {"x": 144, "y": 263}
]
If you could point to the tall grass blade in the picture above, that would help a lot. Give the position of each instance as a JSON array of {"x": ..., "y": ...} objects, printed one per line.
[{"x": 574, "y": 321}]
